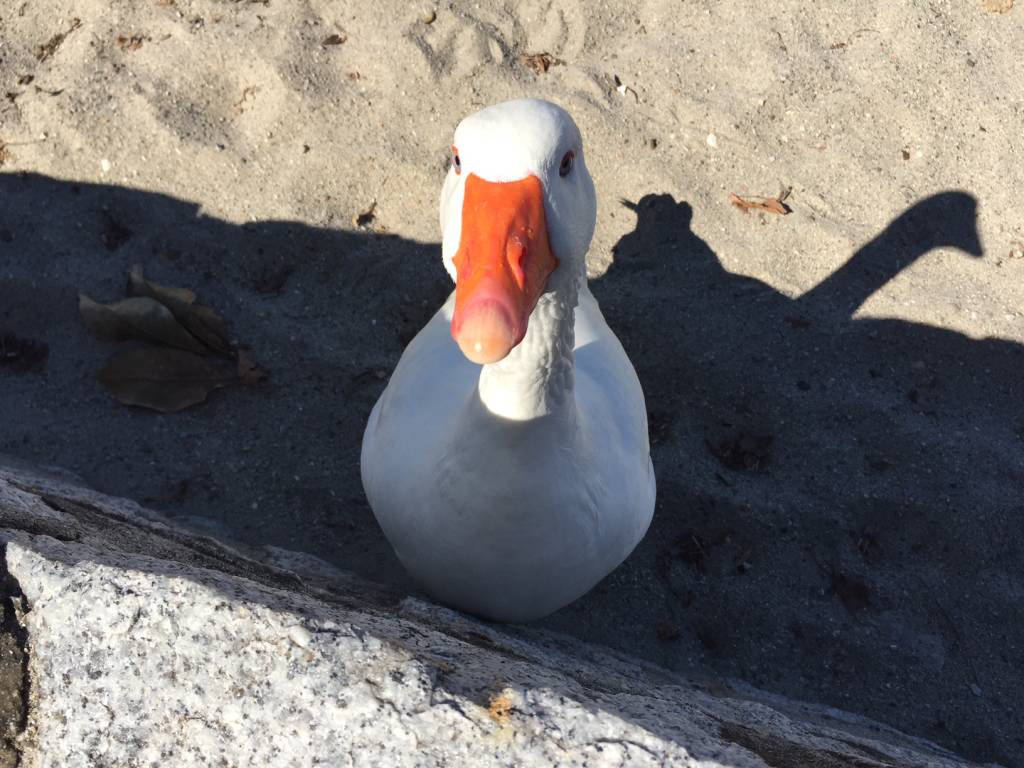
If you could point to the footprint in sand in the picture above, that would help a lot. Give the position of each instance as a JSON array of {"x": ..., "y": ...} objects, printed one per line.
[{"x": 458, "y": 43}]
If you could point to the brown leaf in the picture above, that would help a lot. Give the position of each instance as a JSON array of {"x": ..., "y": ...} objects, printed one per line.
[
  {"x": 5, "y": 153},
  {"x": 202, "y": 322},
  {"x": 248, "y": 372},
  {"x": 139, "y": 317},
  {"x": 540, "y": 62},
  {"x": 47, "y": 49},
  {"x": 335, "y": 39},
  {"x": 770, "y": 204},
  {"x": 132, "y": 43},
  {"x": 997, "y": 6},
  {"x": 163, "y": 379}
]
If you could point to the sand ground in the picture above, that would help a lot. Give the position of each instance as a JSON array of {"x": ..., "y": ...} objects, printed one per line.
[{"x": 835, "y": 395}]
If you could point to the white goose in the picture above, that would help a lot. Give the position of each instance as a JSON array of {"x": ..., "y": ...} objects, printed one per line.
[{"x": 508, "y": 461}]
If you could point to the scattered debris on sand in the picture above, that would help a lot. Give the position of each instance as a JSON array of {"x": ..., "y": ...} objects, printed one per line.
[
  {"x": 187, "y": 356},
  {"x": 775, "y": 204},
  {"x": 540, "y": 62},
  {"x": 47, "y": 49}
]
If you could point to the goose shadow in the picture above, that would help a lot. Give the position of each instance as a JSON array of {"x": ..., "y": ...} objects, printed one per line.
[
  {"x": 839, "y": 496},
  {"x": 750, "y": 462}
]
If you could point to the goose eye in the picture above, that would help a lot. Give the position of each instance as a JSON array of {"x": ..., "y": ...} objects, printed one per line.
[
  {"x": 566, "y": 166},
  {"x": 456, "y": 162}
]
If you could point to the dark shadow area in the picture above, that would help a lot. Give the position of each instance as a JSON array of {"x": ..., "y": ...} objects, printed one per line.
[
  {"x": 326, "y": 312},
  {"x": 839, "y": 500}
]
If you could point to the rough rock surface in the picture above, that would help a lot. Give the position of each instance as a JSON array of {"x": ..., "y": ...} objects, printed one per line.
[{"x": 152, "y": 646}]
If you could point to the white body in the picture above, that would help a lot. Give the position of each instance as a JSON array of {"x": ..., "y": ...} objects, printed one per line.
[{"x": 509, "y": 490}]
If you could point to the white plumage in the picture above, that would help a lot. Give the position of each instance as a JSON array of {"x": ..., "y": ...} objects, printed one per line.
[{"x": 510, "y": 489}]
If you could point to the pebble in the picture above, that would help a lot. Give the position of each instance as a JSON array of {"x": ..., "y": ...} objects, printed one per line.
[
  {"x": 105, "y": 165},
  {"x": 300, "y": 636},
  {"x": 975, "y": 689},
  {"x": 712, "y": 140}
]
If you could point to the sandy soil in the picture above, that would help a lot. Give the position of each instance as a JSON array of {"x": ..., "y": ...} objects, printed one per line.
[{"x": 835, "y": 395}]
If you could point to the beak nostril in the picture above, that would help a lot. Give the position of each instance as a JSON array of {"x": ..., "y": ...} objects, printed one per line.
[{"x": 515, "y": 254}]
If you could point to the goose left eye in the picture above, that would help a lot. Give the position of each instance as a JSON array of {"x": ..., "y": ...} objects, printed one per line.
[
  {"x": 566, "y": 165},
  {"x": 456, "y": 162}
]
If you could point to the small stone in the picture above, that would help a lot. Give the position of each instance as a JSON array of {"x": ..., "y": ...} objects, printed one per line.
[
  {"x": 105, "y": 165},
  {"x": 429, "y": 16},
  {"x": 975, "y": 689},
  {"x": 712, "y": 140},
  {"x": 300, "y": 636}
]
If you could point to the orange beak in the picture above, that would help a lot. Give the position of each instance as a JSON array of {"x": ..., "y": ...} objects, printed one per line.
[{"x": 502, "y": 265}]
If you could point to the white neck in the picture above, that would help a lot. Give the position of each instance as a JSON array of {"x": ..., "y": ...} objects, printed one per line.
[{"x": 537, "y": 378}]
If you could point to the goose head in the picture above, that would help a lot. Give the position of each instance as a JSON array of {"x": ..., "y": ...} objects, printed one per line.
[{"x": 517, "y": 213}]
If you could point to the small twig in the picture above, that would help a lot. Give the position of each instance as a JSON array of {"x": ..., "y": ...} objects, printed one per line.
[{"x": 771, "y": 204}]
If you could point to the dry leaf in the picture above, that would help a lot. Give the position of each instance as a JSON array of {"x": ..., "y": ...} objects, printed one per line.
[
  {"x": 132, "y": 43},
  {"x": 997, "y": 6},
  {"x": 770, "y": 204},
  {"x": 47, "y": 49},
  {"x": 335, "y": 39},
  {"x": 164, "y": 379},
  {"x": 540, "y": 62},
  {"x": 5, "y": 153},
  {"x": 202, "y": 322},
  {"x": 141, "y": 318},
  {"x": 181, "y": 372}
]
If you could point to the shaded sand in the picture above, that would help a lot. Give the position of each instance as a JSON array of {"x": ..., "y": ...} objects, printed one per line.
[{"x": 835, "y": 395}]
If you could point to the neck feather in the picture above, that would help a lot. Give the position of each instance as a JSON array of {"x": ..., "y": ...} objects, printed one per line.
[{"x": 537, "y": 377}]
